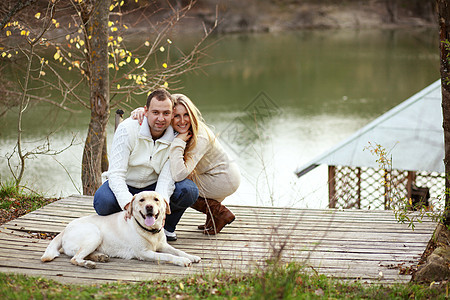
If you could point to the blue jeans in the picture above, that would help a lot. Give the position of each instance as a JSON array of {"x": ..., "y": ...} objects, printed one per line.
[{"x": 185, "y": 194}]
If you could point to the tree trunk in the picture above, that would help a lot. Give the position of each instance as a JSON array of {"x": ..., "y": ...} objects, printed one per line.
[
  {"x": 97, "y": 29},
  {"x": 444, "y": 27}
]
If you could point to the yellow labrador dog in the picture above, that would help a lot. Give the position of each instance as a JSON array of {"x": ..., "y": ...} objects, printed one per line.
[{"x": 137, "y": 232}]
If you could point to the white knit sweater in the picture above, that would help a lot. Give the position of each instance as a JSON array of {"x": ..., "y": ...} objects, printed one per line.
[{"x": 138, "y": 161}]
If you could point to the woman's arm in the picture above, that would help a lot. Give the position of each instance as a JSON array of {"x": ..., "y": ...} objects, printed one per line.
[
  {"x": 138, "y": 114},
  {"x": 179, "y": 167}
]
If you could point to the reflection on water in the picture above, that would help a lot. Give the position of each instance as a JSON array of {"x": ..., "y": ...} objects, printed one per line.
[{"x": 324, "y": 85}]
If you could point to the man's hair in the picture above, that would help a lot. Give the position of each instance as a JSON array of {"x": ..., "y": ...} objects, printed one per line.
[{"x": 160, "y": 95}]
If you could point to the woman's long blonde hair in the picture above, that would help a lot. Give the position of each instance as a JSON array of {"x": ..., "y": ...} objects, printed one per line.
[{"x": 196, "y": 119}]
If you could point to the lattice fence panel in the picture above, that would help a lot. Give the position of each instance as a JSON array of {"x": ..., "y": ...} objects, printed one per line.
[
  {"x": 436, "y": 183},
  {"x": 346, "y": 183},
  {"x": 370, "y": 188}
]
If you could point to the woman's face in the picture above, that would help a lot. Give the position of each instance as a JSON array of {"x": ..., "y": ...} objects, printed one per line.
[{"x": 181, "y": 121}]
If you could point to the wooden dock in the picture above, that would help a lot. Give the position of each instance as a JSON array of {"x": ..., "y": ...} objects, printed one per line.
[{"x": 350, "y": 244}]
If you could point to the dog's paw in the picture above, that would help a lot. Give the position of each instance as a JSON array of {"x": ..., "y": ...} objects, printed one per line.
[
  {"x": 90, "y": 264},
  {"x": 103, "y": 258},
  {"x": 194, "y": 258},
  {"x": 183, "y": 262}
]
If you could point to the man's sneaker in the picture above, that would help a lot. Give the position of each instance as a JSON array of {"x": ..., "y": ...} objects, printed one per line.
[{"x": 170, "y": 236}]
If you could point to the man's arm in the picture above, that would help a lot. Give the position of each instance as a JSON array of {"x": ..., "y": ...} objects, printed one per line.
[
  {"x": 118, "y": 166},
  {"x": 165, "y": 184}
]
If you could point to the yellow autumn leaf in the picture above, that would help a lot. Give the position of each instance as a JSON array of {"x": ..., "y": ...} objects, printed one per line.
[
  {"x": 38, "y": 15},
  {"x": 54, "y": 21},
  {"x": 161, "y": 49},
  {"x": 3, "y": 54},
  {"x": 70, "y": 68},
  {"x": 136, "y": 60},
  {"x": 81, "y": 42},
  {"x": 42, "y": 73},
  {"x": 23, "y": 32},
  {"x": 122, "y": 63},
  {"x": 111, "y": 66},
  {"x": 147, "y": 43},
  {"x": 121, "y": 3},
  {"x": 125, "y": 26},
  {"x": 57, "y": 55},
  {"x": 110, "y": 23},
  {"x": 128, "y": 59},
  {"x": 118, "y": 86},
  {"x": 67, "y": 37},
  {"x": 119, "y": 39},
  {"x": 114, "y": 29},
  {"x": 169, "y": 41},
  {"x": 166, "y": 84},
  {"x": 164, "y": 65},
  {"x": 9, "y": 55},
  {"x": 8, "y": 33},
  {"x": 111, "y": 7}
]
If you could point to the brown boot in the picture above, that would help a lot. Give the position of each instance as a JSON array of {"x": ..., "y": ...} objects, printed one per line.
[
  {"x": 201, "y": 206},
  {"x": 221, "y": 216},
  {"x": 208, "y": 222}
]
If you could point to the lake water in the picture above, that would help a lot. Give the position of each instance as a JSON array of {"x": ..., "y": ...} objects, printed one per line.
[{"x": 311, "y": 88}]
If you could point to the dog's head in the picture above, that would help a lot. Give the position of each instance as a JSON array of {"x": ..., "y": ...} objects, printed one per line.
[{"x": 149, "y": 209}]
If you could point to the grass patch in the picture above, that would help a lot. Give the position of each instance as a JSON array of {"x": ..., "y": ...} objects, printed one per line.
[
  {"x": 290, "y": 281},
  {"x": 16, "y": 201}
]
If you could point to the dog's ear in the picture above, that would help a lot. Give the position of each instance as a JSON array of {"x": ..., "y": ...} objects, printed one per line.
[
  {"x": 129, "y": 208},
  {"x": 167, "y": 207}
]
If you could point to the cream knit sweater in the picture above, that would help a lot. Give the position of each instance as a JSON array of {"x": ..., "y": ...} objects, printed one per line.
[
  {"x": 216, "y": 175},
  {"x": 139, "y": 161}
]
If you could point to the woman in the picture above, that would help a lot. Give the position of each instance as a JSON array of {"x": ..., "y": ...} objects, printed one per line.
[{"x": 197, "y": 154}]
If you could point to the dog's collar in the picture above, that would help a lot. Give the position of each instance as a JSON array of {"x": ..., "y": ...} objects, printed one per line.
[{"x": 153, "y": 231}]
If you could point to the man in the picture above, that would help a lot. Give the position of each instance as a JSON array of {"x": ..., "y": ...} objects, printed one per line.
[{"x": 139, "y": 161}]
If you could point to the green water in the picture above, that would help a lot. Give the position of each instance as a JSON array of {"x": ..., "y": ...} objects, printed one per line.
[{"x": 317, "y": 87}]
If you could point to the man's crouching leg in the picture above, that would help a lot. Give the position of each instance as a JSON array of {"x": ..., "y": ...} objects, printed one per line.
[
  {"x": 185, "y": 194},
  {"x": 105, "y": 203}
]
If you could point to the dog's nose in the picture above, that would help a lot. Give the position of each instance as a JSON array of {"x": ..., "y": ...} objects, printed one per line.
[{"x": 149, "y": 209}]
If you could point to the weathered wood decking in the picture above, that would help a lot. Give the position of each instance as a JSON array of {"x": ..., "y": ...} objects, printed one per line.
[{"x": 350, "y": 244}]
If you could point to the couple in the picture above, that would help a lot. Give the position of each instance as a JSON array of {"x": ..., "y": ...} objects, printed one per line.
[{"x": 167, "y": 147}]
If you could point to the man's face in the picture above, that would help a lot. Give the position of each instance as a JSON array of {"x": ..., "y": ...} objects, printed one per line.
[{"x": 159, "y": 116}]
